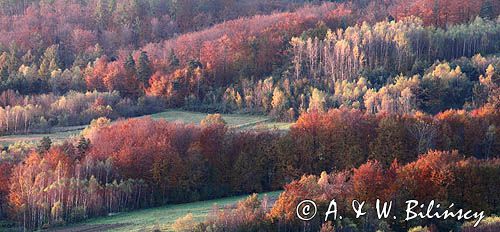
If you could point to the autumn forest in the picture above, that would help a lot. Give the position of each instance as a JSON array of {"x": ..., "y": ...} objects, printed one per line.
[{"x": 381, "y": 99}]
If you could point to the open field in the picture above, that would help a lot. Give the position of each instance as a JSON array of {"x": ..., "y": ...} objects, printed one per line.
[
  {"x": 55, "y": 136},
  {"x": 283, "y": 126},
  {"x": 232, "y": 120},
  {"x": 236, "y": 121},
  {"x": 156, "y": 218}
]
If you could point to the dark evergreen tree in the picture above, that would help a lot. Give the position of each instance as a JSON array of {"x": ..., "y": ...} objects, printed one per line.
[
  {"x": 144, "y": 68},
  {"x": 487, "y": 11},
  {"x": 44, "y": 145},
  {"x": 130, "y": 64},
  {"x": 174, "y": 61},
  {"x": 82, "y": 146}
]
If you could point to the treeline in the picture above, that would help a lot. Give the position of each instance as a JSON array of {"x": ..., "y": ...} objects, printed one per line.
[
  {"x": 114, "y": 25},
  {"x": 444, "y": 12},
  {"x": 131, "y": 164},
  {"x": 285, "y": 99},
  {"x": 460, "y": 84},
  {"x": 143, "y": 162},
  {"x": 55, "y": 65},
  {"x": 405, "y": 47},
  {"x": 316, "y": 55},
  {"x": 446, "y": 177},
  {"x": 39, "y": 113},
  {"x": 333, "y": 63},
  {"x": 54, "y": 188},
  {"x": 54, "y": 46}
]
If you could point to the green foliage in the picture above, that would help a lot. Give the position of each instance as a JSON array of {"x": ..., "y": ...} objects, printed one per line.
[
  {"x": 55, "y": 57},
  {"x": 163, "y": 217},
  {"x": 144, "y": 68},
  {"x": 444, "y": 88},
  {"x": 44, "y": 145}
]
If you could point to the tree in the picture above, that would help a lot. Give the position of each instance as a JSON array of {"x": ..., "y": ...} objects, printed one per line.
[
  {"x": 130, "y": 64},
  {"x": 82, "y": 146},
  {"x": 424, "y": 131},
  {"x": 392, "y": 142},
  {"x": 278, "y": 103},
  {"x": 101, "y": 14},
  {"x": 144, "y": 68},
  {"x": 49, "y": 62},
  {"x": 213, "y": 119},
  {"x": 5, "y": 174},
  {"x": 44, "y": 144},
  {"x": 317, "y": 101},
  {"x": 118, "y": 78},
  {"x": 94, "y": 75},
  {"x": 372, "y": 181},
  {"x": 445, "y": 88},
  {"x": 487, "y": 10},
  {"x": 431, "y": 170},
  {"x": 184, "y": 224}
]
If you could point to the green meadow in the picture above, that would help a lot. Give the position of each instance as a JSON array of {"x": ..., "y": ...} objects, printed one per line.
[{"x": 160, "y": 218}]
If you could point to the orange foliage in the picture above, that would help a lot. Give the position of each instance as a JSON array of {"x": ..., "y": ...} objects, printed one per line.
[
  {"x": 94, "y": 79},
  {"x": 133, "y": 155},
  {"x": 175, "y": 86},
  {"x": 437, "y": 175},
  {"x": 112, "y": 76}
]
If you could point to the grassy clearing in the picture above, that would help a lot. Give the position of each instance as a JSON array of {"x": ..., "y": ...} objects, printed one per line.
[
  {"x": 282, "y": 126},
  {"x": 233, "y": 120},
  {"x": 29, "y": 138},
  {"x": 236, "y": 121},
  {"x": 157, "y": 218}
]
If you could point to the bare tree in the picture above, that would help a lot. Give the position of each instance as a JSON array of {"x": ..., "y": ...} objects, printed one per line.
[{"x": 425, "y": 133}]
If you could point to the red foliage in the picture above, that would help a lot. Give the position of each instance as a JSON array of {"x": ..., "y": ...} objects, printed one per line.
[
  {"x": 83, "y": 39},
  {"x": 431, "y": 170},
  {"x": 372, "y": 181},
  {"x": 339, "y": 137},
  {"x": 5, "y": 171},
  {"x": 228, "y": 47},
  {"x": 441, "y": 12},
  {"x": 441, "y": 176},
  {"x": 56, "y": 156},
  {"x": 129, "y": 144},
  {"x": 305, "y": 188},
  {"x": 94, "y": 79}
]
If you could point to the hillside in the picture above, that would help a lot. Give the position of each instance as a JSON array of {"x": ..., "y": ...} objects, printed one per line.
[
  {"x": 115, "y": 114},
  {"x": 160, "y": 218},
  {"x": 236, "y": 121}
]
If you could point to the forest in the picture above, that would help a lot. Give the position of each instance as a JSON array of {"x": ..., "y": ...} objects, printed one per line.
[
  {"x": 389, "y": 99},
  {"x": 368, "y": 182}
]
